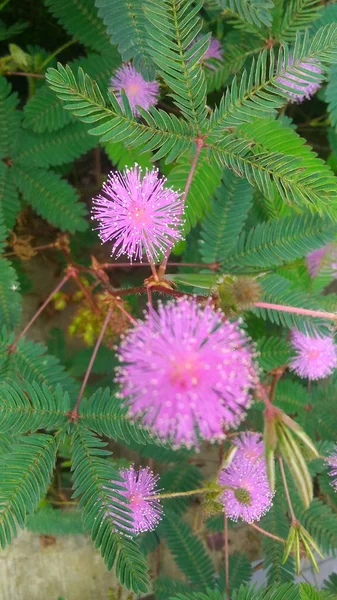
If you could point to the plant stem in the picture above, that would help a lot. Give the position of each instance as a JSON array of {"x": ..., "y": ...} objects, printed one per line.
[
  {"x": 212, "y": 266},
  {"x": 126, "y": 313},
  {"x": 41, "y": 309},
  {"x": 298, "y": 311},
  {"x": 179, "y": 494},
  {"x": 199, "y": 144},
  {"x": 21, "y": 74},
  {"x": 149, "y": 296},
  {"x": 86, "y": 294},
  {"x": 36, "y": 248},
  {"x": 271, "y": 535},
  {"x": 286, "y": 489},
  {"x": 57, "y": 51},
  {"x": 153, "y": 271},
  {"x": 226, "y": 554},
  {"x": 74, "y": 412}
]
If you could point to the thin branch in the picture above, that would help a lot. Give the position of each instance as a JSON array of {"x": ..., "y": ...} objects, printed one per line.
[
  {"x": 199, "y": 146},
  {"x": 226, "y": 554},
  {"x": 41, "y": 309},
  {"x": 264, "y": 532},
  {"x": 74, "y": 412},
  {"x": 36, "y": 75},
  {"x": 212, "y": 266},
  {"x": 57, "y": 51},
  {"x": 126, "y": 313},
  {"x": 286, "y": 489},
  {"x": 298, "y": 311},
  {"x": 178, "y": 494}
]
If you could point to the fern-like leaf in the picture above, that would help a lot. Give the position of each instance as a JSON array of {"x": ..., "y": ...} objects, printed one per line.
[
  {"x": 10, "y": 299},
  {"x": 44, "y": 150},
  {"x": 80, "y": 20},
  {"x": 188, "y": 551},
  {"x": 279, "y": 241},
  {"x": 45, "y": 112},
  {"x": 53, "y": 198},
  {"x": 125, "y": 23},
  {"x": 205, "y": 180},
  {"x": 25, "y": 475},
  {"x": 9, "y": 198},
  {"x": 255, "y": 12},
  {"x": 275, "y": 522},
  {"x": 224, "y": 221},
  {"x": 173, "y": 27},
  {"x": 25, "y": 407},
  {"x": 104, "y": 414},
  {"x": 9, "y": 119},
  {"x": 273, "y": 352},
  {"x": 93, "y": 479},
  {"x": 271, "y": 155},
  {"x": 299, "y": 14}
]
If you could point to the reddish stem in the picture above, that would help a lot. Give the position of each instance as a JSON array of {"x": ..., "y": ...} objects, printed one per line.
[
  {"x": 126, "y": 313},
  {"x": 298, "y": 311},
  {"x": 74, "y": 412},
  {"x": 41, "y": 309},
  {"x": 271, "y": 535},
  {"x": 86, "y": 294},
  {"x": 199, "y": 146}
]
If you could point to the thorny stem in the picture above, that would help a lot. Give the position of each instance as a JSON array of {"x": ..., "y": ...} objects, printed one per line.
[
  {"x": 74, "y": 412},
  {"x": 264, "y": 396},
  {"x": 286, "y": 489},
  {"x": 271, "y": 535},
  {"x": 297, "y": 310},
  {"x": 153, "y": 271},
  {"x": 149, "y": 296},
  {"x": 226, "y": 554},
  {"x": 42, "y": 307},
  {"x": 126, "y": 313},
  {"x": 199, "y": 146},
  {"x": 86, "y": 294},
  {"x": 212, "y": 266}
]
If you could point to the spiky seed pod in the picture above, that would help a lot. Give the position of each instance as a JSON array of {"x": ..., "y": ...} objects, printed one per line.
[{"x": 246, "y": 291}]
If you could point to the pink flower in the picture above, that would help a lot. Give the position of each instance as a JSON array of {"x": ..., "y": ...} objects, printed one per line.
[
  {"x": 138, "y": 213},
  {"x": 146, "y": 511},
  {"x": 139, "y": 92},
  {"x": 251, "y": 496},
  {"x": 316, "y": 356},
  {"x": 315, "y": 259},
  {"x": 186, "y": 368},
  {"x": 332, "y": 462},
  {"x": 305, "y": 85},
  {"x": 249, "y": 446},
  {"x": 214, "y": 50}
]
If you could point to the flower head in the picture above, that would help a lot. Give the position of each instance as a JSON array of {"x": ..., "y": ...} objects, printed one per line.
[
  {"x": 251, "y": 496},
  {"x": 315, "y": 260},
  {"x": 146, "y": 511},
  {"x": 249, "y": 446},
  {"x": 138, "y": 213},
  {"x": 306, "y": 85},
  {"x": 138, "y": 91},
  {"x": 316, "y": 356},
  {"x": 332, "y": 462},
  {"x": 184, "y": 367},
  {"x": 214, "y": 50}
]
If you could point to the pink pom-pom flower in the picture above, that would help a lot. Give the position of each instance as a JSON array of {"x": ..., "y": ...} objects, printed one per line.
[
  {"x": 146, "y": 511},
  {"x": 316, "y": 357},
  {"x": 304, "y": 85},
  {"x": 250, "y": 497},
  {"x": 249, "y": 446},
  {"x": 185, "y": 369},
  {"x": 315, "y": 260},
  {"x": 138, "y": 91},
  {"x": 138, "y": 213}
]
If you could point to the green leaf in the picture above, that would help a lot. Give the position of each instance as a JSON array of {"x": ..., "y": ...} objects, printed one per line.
[
  {"x": 53, "y": 198},
  {"x": 240, "y": 571},
  {"x": 25, "y": 407},
  {"x": 206, "y": 179},
  {"x": 105, "y": 414},
  {"x": 173, "y": 27},
  {"x": 225, "y": 219},
  {"x": 276, "y": 522},
  {"x": 188, "y": 551},
  {"x": 9, "y": 198},
  {"x": 299, "y": 14},
  {"x": 125, "y": 23},
  {"x": 122, "y": 157},
  {"x": 45, "y": 112},
  {"x": 95, "y": 481},
  {"x": 10, "y": 299},
  {"x": 255, "y": 12},
  {"x": 81, "y": 21},
  {"x": 44, "y": 150},
  {"x": 25, "y": 476},
  {"x": 273, "y": 352},
  {"x": 272, "y": 156},
  {"x": 280, "y": 241},
  {"x": 9, "y": 119},
  {"x": 165, "y": 588},
  {"x": 49, "y": 521}
]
